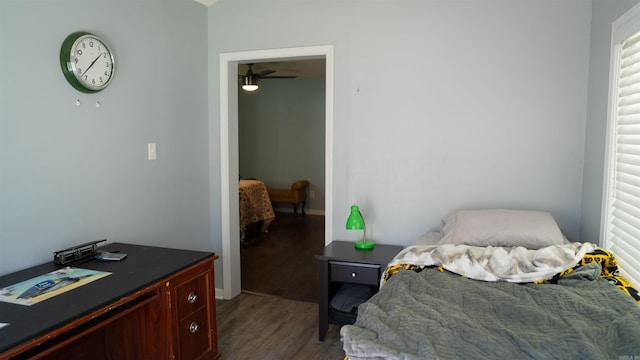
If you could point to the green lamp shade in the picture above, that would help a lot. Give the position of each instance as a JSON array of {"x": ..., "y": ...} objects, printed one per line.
[{"x": 356, "y": 222}]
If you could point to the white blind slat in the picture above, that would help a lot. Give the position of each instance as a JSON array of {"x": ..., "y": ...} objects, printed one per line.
[
  {"x": 629, "y": 119},
  {"x": 627, "y": 203},
  {"x": 631, "y": 41},
  {"x": 626, "y": 174},
  {"x": 629, "y": 194},
  {"x": 628, "y": 149},
  {"x": 629, "y": 109},
  {"x": 626, "y": 261},
  {"x": 625, "y": 232},
  {"x": 629, "y": 129},
  {"x": 623, "y": 229},
  {"x": 629, "y": 91},
  {"x": 628, "y": 159},
  {"x": 625, "y": 212},
  {"x": 628, "y": 267}
]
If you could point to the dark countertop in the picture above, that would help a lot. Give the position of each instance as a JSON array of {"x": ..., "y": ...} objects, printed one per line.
[
  {"x": 345, "y": 251},
  {"x": 143, "y": 266}
]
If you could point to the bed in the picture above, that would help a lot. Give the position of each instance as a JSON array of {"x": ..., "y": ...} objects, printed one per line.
[
  {"x": 498, "y": 284},
  {"x": 255, "y": 205}
]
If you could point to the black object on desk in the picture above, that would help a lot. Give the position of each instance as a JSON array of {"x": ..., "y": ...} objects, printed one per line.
[
  {"x": 76, "y": 253},
  {"x": 341, "y": 263}
]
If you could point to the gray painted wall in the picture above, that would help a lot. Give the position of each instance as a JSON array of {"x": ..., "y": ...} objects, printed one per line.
[
  {"x": 281, "y": 135},
  {"x": 449, "y": 104},
  {"x": 605, "y": 12},
  {"x": 71, "y": 174}
]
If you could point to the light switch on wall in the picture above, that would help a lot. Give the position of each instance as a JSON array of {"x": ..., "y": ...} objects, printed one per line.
[{"x": 151, "y": 147}]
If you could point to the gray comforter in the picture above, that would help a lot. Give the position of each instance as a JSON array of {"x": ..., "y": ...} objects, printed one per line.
[{"x": 441, "y": 315}]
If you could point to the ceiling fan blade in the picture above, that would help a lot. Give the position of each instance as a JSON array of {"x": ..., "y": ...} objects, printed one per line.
[
  {"x": 279, "y": 77},
  {"x": 264, "y": 72}
]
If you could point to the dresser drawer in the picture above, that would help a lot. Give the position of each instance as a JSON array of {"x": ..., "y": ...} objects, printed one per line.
[
  {"x": 191, "y": 295},
  {"x": 194, "y": 335},
  {"x": 354, "y": 273}
]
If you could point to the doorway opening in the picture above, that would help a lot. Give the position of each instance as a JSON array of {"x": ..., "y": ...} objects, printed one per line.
[{"x": 229, "y": 149}]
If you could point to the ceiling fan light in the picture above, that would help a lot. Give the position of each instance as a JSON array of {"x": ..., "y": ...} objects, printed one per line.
[{"x": 249, "y": 83}]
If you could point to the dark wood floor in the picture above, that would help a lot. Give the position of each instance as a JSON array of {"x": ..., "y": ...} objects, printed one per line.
[
  {"x": 270, "y": 328},
  {"x": 281, "y": 262},
  {"x": 276, "y": 316}
]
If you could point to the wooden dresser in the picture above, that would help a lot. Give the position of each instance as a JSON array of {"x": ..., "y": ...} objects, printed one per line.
[{"x": 158, "y": 303}]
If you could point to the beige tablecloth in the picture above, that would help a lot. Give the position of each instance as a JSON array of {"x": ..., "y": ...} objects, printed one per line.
[{"x": 255, "y": 205}]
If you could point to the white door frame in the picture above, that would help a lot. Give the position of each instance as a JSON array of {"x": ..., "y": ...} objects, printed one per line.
[{"x": 231, "y": 279}]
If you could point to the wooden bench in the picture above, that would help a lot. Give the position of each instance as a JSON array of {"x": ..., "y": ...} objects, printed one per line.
[{"x": 294, "y": 196}]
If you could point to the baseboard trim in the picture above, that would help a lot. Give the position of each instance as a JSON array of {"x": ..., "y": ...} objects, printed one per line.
[
  {"x": 289, "y": 210},
  {"x": 219, "y": 294}
]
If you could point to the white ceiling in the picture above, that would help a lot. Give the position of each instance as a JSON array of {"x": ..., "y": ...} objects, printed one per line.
[{"x": 207, "y": 3}]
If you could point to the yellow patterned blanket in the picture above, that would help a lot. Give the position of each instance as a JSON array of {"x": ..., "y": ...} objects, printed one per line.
[
  {"x": 610, "y": 271},
  {"x": 606, "y": 259}
]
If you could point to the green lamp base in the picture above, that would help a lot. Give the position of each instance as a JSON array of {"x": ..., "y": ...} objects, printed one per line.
[{"x": 363, "y": 245}]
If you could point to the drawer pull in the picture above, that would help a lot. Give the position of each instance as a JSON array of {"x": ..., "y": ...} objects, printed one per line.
[
  {"x": 192, "y": 297},
  {"x": 194, "y": 327},
  {"x": 354, "y": 274}
]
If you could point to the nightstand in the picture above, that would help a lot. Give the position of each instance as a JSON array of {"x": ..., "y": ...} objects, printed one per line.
[{"x": 341, "y": 263}]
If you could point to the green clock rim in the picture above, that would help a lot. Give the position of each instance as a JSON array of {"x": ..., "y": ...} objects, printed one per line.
[{"x": 65, "y": 61}]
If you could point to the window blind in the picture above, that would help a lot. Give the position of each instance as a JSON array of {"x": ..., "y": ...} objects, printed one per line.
[{"x": 623, "y": 235}]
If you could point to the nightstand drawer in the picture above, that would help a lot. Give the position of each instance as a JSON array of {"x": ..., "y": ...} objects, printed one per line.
[{"x": 354, "y": 273}]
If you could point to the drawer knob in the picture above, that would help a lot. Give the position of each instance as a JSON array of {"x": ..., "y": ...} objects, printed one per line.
[
  {"x": 192, "y": 297},
  {"x": 194, "y": 327},
  {"x": 354, "y": 274}
]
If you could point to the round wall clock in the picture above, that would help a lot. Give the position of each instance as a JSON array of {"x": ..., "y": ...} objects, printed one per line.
[{"x": 86, "y": 61}]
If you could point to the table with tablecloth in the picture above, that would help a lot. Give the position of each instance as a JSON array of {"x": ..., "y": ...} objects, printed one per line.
[{"x": 255, "y": 205}]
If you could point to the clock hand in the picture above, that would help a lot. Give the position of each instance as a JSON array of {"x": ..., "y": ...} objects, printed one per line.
[{"x": 93, "y": 62}]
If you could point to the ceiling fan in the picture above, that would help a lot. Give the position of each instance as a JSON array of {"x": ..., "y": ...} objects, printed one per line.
[{"x": 250, "y": 79}]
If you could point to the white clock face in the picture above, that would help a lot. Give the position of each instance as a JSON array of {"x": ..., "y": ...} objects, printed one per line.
[{"x": 91, "y": 62}]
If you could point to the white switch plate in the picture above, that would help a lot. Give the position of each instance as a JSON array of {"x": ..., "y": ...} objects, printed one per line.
[{"x": 151, "y": 147}]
